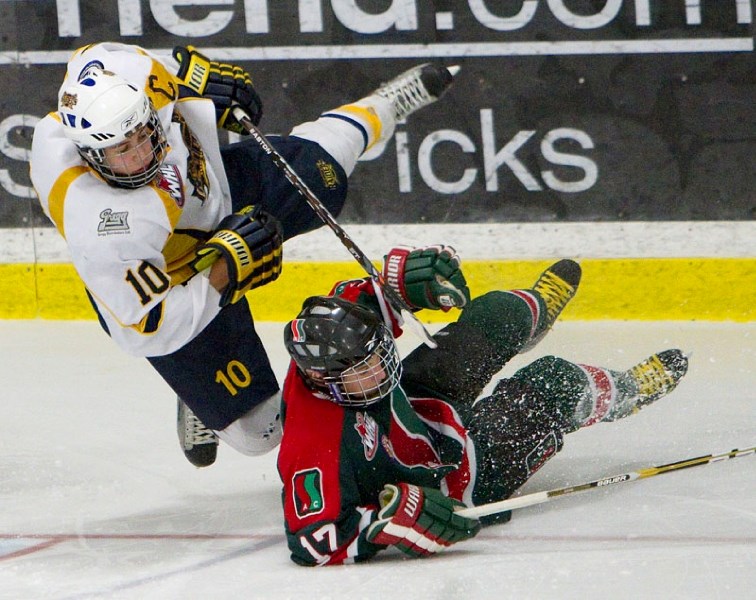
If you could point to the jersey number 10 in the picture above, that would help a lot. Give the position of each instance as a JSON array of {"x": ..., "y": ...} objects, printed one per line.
[{"x": 236, "y": 376}]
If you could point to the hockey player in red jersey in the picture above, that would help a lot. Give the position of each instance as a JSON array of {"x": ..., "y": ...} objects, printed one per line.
[
  {"x": 168, "y": 229},
  {"x": 379, "y": 452}
]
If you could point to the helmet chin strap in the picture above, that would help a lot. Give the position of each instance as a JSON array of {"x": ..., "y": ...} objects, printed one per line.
[
  {"x": 336, "y": 394},
  {"x": 357, "y": 399}
]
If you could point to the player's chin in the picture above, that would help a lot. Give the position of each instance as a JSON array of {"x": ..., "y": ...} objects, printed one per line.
[{"x": 136, "y": 172}]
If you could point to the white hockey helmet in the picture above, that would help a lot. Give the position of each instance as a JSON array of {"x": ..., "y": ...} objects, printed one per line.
[{"x": 102, "y": 110}]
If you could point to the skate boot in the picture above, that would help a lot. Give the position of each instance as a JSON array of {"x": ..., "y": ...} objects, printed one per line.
[
  {"x": 200, "y": 444},
  {"x": 652, "y": 378},
  {"x": 557, "y": 285},
  {"x": 416, "y": 88}
]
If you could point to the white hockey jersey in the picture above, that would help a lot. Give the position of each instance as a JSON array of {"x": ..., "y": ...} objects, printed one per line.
[{"x": 131, "y": 247}]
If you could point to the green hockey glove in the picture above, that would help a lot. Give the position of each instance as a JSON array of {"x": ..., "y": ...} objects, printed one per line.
[
  {"x": 250, "y": 241},
  {"x": 225, "y": 84},
  {"x": 428, "y": 277},
  {"x": 419, "y": 520}
]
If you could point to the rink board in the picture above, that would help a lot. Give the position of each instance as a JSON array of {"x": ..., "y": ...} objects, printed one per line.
[
  {"x": 647, "y": 288},
  {"x": 633, "y": 270}
]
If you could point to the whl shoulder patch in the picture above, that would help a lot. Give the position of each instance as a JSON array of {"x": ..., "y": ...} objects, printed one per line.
[{"x": 308, "y": 492}]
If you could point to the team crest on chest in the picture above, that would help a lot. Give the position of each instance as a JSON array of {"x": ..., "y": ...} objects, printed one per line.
[
  {"x": 169, "y": 180},
  {"x": 196, "y": 168},
  {"x": 368, "y": 430}
]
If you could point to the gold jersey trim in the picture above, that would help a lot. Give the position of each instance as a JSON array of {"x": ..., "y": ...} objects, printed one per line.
[{"x": 57, "y": 197}]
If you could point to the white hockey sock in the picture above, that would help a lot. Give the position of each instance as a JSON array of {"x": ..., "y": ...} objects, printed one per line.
[
  {"x": 353, "y": 131},
  {"x": 258, "y": 431}
]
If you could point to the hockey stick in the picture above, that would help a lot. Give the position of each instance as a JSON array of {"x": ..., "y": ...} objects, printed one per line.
[
  {"x": 539, "y": 497},
  {"x": 396, "y": 301}
]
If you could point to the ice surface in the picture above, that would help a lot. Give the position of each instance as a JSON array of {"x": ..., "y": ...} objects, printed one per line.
[{"x": 97, "y": 501}]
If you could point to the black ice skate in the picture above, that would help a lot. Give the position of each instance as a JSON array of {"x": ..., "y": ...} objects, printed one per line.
[
  {"x": 200, "y": 444},
  {"x": 416, "y": 88},
  {"x": 653, "y": 378},
  {"x": 557, "y": 285}
]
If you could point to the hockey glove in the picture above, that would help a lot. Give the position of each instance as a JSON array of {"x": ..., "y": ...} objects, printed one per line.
[
  {"x": 250, "y": 241},
  {"x": 419, "y": 520},
  {"x": 428, "y": 277},
  {"x": 223, "y": 83}
]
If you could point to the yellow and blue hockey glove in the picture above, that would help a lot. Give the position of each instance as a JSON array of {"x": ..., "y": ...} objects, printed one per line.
[
  {"x": 250, "y": 241},
  {"x": 419, "y": 521},
  {"x": 427, "y": 277},
  {"x": 225, "y": 84}
]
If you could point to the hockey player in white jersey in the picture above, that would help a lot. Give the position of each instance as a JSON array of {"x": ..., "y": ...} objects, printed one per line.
[{"x": 168, "y": 230}]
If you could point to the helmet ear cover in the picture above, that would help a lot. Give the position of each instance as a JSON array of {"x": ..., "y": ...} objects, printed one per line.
[
  {"x": 343, "y": 350},
  {"x": 102, "y": 110}
]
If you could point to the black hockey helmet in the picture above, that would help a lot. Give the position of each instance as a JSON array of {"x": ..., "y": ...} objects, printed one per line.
[{"x": 343, "y": 349}]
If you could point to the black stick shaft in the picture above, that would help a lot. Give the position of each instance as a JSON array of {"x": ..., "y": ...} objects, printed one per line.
[{"x": 325, "y": 215}]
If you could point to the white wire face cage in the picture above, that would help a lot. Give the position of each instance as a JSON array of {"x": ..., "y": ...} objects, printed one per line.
[
  {"x": 150, "y": 149},
  {"x": 369, "y": 380}
]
